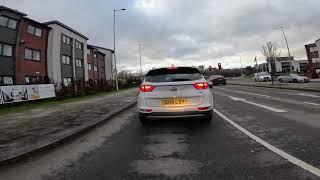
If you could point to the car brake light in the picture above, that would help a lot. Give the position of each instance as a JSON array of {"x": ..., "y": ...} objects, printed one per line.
[
  {"x": 146, "y": 88},
  {"x": 201, "y": 85}
]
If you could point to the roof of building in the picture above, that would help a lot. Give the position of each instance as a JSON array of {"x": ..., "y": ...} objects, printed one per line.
[
  {"x": 302, "y": 61},
  {"x": 67, "y": 27},
  {"x": 311, "y": 45},
  {"x": 93, "y": 47},
  {"x": 285, "y": 58},
  {"x": 36, "y": 22},
  {"x": 12, "y": 10},
  {"x": 98, "y": 47}
]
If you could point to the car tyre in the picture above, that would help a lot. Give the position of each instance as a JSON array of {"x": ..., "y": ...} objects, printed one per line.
[
  {"x": 143, "y": 119},
  {"x": 294, "y": 81},
  {"x": 209, "y": 116},
  {"x": 280, "y": 80}
]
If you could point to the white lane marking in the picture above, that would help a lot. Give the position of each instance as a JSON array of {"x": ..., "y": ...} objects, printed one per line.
[
  {"x": 272, "y": 148},
  {"x": 308, "y": 95},
  {"x": 312, "y": 103},
  {"x": 246, "y": 92},
  {"x": 259, "y": 105}
]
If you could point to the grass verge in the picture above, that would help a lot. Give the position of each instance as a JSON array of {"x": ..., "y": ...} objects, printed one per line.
[{"x": 45, "y": 103}]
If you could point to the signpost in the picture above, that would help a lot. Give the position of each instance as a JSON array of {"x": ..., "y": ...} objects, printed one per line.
[{"x": 219, "y": 67}]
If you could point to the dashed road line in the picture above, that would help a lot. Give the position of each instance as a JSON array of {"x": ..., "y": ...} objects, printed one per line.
[
  {"x": 272, "y": 148},
  {"x": 311, "y": 103},
  {"x": 244, "y": 92},
  {"x": 308, "y": 95},
  {"x": 259, "y": 105}
]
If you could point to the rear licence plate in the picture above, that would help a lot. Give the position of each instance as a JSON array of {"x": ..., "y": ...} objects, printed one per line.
[{"x": 172, "y": 102}]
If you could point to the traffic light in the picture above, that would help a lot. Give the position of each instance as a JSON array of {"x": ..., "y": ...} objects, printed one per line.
[
  {"x": 219, "y": 66},
  {"x": 210, "y": 68}
]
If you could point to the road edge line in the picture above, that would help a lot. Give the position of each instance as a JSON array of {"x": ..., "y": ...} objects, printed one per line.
[
  {"x": 272, "y": 148},
  {"x": 67, "y": 138}
]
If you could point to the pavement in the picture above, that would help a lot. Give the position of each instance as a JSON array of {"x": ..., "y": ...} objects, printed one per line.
[
  {"x": 256, "y": 133},
  {"x": 28, "y": 132},
  {"x": 314, "y": 85}
]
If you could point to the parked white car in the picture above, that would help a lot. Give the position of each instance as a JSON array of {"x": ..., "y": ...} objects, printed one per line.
[
  {"x": 173, "y": 93},
  {"x": 262, "y": 76},
  {"x": 293, "y": 78}
]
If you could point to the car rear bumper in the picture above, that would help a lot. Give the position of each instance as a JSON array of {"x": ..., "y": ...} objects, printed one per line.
[
  {"x": 168, "y": 115},
  {"x": 219, "y": 81}
]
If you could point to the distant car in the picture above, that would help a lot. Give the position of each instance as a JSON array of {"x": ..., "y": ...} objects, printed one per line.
[
  {"x": 218, "y": 79},
  {"x": 174, "y": 92},
  {"x": 209, "y": 81},
  {"x": 262, "y": 76},
  {"x": 293, "y": 78}
]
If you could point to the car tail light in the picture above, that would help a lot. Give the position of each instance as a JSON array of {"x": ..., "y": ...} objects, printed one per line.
[
  {"x": 201, "y": 85},
  {"x": 146, "y": 88}
]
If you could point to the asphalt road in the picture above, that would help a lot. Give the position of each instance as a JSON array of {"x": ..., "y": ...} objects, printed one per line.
[{"x": 191, "y": 149}]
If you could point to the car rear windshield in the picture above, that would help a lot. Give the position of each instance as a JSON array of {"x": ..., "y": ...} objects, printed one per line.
[{"x": 173, "y": 74}]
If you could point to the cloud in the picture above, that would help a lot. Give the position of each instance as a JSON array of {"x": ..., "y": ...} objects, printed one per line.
[{"x": 185, "y": 32}]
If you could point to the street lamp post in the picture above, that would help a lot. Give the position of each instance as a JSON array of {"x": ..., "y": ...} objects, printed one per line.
[
  {"x": 285, "y": 38},
  {"x": 140, "y": 62},
  {"x": 114, "y": 45},
  {"x": 241, "y": 67}
]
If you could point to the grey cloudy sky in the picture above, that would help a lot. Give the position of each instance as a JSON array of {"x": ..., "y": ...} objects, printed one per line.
[{"x": 185, "y": 32}]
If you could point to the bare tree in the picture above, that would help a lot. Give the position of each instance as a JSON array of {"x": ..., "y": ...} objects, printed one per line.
[{"x": 271, "y": 52}]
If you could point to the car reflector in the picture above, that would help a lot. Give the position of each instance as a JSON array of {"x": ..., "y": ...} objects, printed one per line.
[
  {"x": 203, "y": 108},
  {"x": 146, "y": 110}
]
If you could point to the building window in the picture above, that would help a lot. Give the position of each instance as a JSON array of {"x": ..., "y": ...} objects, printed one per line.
[
  {"x": 78, "y": 62},
  {"x": 67, "y": 81},
  {"x": 5, "y": 50},
  {"x": 66, "y": 59},
  {"x": 66, "y": 40},
  {"x": 32, "y": 79},
  {"x": 78, "y": 45},
  {"x": 34, "y": 31},
  {"x": 102, "y": 70},
  {"x": 314, "y": 54},
  {"x": 94, "y": 54},
  {"x": 8, "y": 22},
  {"x": 95, "y": 68},
  {"x": 90, "y": 67},
  {"x": 32, "y": 54},
  {"x": 6, "y": 80},
  {"x": 88, "y": 52}
]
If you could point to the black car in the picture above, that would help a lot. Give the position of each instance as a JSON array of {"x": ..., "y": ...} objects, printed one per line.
[{"x": 218, "y": 79}]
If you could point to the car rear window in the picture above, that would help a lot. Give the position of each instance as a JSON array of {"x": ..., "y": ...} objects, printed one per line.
[{"x": 173, "y": 74}]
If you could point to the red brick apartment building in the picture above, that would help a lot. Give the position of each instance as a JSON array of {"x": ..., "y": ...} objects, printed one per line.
[
  {"x": 31, "y": 51},
  {"x": 96, "y": 64},
  {"x": 312, "y": 51},
  {"x": 31, "y": 64},
  {"x": 23, "y": 48}
]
